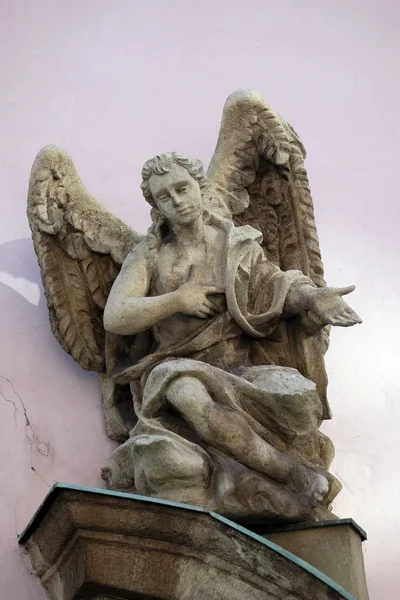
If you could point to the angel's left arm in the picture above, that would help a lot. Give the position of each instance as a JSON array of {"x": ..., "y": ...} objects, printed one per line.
[
  {"x": 293, "y": 293},
  {"x": 268, "y": 290},
  {"x": 322, "y": 305}
]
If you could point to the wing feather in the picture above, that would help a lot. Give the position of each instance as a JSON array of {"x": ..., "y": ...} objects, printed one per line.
[
  {"x": 80, "y": 247},
  {"x": 257, "y": 173},
  {"x": 100, "y": 273}
]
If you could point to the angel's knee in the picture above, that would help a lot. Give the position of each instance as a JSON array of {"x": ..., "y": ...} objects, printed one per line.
[{"x": 189, "y": 396}]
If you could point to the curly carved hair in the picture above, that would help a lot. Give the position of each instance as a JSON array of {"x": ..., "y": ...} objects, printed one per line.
[{"x": 159, "y": 165}]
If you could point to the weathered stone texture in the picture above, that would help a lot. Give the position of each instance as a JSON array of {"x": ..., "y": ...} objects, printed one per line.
[{"x": 86, "y": 544}]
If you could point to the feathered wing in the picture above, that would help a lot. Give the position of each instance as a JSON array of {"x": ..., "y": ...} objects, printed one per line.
[
  {"x": 257, "y": 175},
  {"x": 80, "y": 247}
]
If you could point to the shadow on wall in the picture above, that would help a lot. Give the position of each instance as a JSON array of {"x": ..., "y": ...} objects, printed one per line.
[
  {"x": 19, "y": 270},
  {"x": 24, "y": 308}
]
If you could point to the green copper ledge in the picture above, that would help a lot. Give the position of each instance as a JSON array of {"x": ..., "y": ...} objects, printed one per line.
[{"x": 54, "y": 491}]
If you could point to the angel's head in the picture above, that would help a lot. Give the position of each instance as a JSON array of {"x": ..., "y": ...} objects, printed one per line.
[{"x": 174, "y": 186}]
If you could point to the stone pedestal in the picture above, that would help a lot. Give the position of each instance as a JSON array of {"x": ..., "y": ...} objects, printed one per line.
[
  {"x": 333, "y": 547},
  {"x": 86, "y": 543}
]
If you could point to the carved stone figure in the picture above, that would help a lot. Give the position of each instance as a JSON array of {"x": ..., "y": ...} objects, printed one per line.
[{"x": 210, "y": 338}]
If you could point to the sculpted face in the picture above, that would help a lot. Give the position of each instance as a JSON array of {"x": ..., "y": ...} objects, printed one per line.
[{"x": 177, "y": 195}]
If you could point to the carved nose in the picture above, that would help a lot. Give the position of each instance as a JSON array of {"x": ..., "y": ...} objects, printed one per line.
[{"x": 176, "y": 199}]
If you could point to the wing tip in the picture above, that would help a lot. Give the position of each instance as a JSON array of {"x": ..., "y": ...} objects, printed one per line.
[
  {"x": 244, "y": 95},
  {"x": 51, "y": 151}
]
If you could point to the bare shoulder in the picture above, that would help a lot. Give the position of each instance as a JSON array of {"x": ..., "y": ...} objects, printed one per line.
[
  {"x": 136, "y": 272},
  {"x": 140, "y": 255}
]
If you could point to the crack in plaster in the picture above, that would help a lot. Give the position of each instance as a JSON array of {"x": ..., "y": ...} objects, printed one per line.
[{"x": 35, "y": 443}]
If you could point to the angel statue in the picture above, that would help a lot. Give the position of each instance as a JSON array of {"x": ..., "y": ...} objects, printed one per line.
[{"x": 208, "y": 333}]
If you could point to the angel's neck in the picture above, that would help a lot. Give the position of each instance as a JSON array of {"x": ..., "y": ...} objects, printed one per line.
[{"x": 190, "y": 234}]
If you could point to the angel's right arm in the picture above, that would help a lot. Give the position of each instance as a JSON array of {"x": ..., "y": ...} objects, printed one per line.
[{"x": 129, "y": 309}]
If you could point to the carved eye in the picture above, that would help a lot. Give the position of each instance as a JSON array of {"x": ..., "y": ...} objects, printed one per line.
[
  {"x": 183, "y": 188},
  {"x": 163, "y": 198}
]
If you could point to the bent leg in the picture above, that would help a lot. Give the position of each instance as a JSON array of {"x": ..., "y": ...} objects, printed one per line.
[{"x": 229, "y": 431}]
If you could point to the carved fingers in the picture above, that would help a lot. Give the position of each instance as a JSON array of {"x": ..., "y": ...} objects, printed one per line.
[
  {"x": 327, "y": 307},
  {"x": 206, "y": 309},
  {"x": 200, "y": 300},
  {"x": 343, "y": 290},
  {"x": 207, "y": 306}
]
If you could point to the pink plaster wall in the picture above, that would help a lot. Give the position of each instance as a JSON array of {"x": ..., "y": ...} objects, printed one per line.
[{"x": 115, "y": 83}]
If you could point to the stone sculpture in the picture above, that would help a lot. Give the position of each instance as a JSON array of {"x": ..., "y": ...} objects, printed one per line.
[{"x": 209, "y": 339}]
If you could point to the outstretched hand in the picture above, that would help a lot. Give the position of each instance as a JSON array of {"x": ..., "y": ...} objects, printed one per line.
[{"x": 326, "y": 306}]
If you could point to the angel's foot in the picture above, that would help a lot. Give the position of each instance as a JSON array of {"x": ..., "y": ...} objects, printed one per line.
[
  {"x": 117, "y": 472},
  {"x": 313, "y": 485}
]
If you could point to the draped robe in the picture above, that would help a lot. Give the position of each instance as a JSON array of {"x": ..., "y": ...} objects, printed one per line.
[{"x": 164, "y": 457}]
